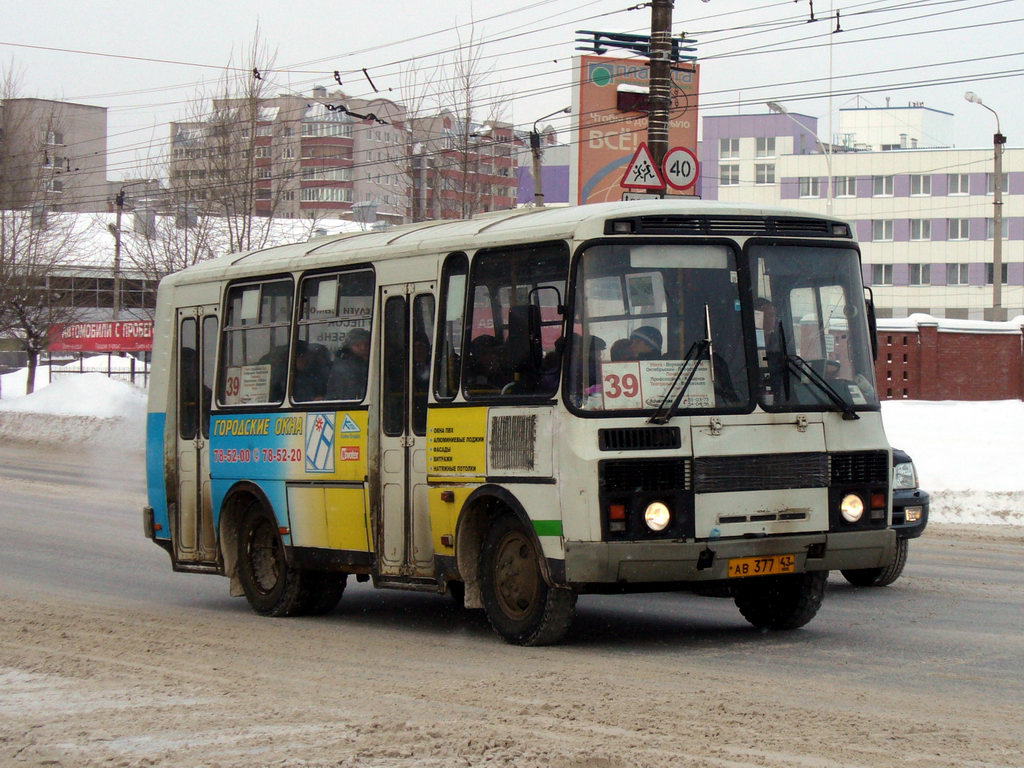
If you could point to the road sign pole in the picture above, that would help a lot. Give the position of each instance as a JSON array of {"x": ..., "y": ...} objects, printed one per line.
[{"x": 660, "y": 79}]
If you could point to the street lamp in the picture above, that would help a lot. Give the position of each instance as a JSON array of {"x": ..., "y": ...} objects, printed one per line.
[
  {"x": 774, "y": 106},
  {"x": 998, "y": 140},
  {"x": 538, "y": 190}
]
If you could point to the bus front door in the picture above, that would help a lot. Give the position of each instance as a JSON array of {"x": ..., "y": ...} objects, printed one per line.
[
  {"x": 404, "y": 542},
  {"x": 195, "y": 540}
]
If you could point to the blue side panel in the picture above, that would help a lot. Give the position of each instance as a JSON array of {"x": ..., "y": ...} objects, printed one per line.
[
  {"x": 274, "y": 490},
  {"x": 155, "y": 483}
]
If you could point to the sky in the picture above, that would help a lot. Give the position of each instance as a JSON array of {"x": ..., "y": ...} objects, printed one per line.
[{"x": 750, "y": 52}]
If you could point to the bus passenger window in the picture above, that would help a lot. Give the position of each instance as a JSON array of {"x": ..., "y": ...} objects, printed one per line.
[
  {"x": 332, "y": 353},
  {"x": 422, "y": 325},
  {"x": 449, "y": 332},
  {"x": 513, "y": 345},
  {"x": 254, "y": 360}
]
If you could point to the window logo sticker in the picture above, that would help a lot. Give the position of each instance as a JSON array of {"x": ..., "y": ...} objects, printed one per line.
[{"x": 320, "y": 442}]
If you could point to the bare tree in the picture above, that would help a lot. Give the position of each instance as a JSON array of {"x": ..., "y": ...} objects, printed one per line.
[
  {"x": 221, "y": 163},
  {"x": 464, "y": 148}
]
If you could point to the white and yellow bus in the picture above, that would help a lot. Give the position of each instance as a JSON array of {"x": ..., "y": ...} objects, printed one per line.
[{"x": 523, "y": 407}]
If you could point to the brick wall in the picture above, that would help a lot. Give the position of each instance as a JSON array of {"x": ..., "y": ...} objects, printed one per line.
[{"x": 930, "y": 359}]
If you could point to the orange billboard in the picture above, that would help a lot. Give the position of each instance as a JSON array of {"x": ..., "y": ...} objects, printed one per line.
[{"x": 605, "y": 139}]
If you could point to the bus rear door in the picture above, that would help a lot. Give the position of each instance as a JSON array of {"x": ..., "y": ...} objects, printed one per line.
[
  {"x": 404, "y": 538},
  {"x": 195, "y": 540}
]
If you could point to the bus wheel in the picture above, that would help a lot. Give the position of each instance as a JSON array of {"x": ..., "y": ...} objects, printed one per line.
[
  {"x": 324, "y": 591},
  {"x": 271, "y": 587},
  {"x": 880, "y": 577},
  {"x": 520, "y": 605},
  {"x": 781, "y": 602}
]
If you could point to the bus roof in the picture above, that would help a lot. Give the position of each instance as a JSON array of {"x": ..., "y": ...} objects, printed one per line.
[{"x": 447, "y": 235}]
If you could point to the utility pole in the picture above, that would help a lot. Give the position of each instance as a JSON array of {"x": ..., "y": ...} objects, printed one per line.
[
  {"x": 998, "y": 140},
  {"x": 119, "y": 202},
  {"x": 660, "y": 80}
]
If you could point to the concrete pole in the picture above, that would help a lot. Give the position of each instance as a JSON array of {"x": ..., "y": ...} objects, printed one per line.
[
  {"x": 119, "y": 200},
  {"x": 660, "y": 80},
  {"x": 998, "y": 140}
]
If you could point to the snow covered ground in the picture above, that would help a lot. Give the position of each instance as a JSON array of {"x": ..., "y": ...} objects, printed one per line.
[{"x": 968, "y": 455}]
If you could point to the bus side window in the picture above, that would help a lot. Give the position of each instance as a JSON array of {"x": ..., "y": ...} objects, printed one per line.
[
  {"x": 254, "y": 358},
  {"x": 449, "y": 330},
  {"x": 422, "y": 324}
]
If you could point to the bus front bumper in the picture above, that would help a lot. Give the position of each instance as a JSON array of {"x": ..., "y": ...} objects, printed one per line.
[{"x": 673, "y": 561}]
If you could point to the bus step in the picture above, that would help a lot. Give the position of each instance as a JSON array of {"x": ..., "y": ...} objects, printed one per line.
[{"x": 416, "y": 584}]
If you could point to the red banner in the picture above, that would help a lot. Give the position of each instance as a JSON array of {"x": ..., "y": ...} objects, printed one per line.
[{"x": 120, "y": 336}]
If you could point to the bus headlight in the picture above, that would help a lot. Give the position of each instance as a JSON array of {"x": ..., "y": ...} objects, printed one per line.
[
  {"x": 657, "y": 516},
  {"x": 852, "y": 508}
]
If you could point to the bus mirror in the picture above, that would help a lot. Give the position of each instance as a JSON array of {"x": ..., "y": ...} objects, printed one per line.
[{"x": 869, "y": 306}]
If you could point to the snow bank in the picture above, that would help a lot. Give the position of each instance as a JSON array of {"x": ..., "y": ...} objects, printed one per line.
[
  {"x": 968, "y": 456},
  {"x": 12, "y": 385},
  {"x": 84, "y": 408}
]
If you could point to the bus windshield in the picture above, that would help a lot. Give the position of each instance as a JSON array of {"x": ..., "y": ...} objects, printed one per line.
[
  {"x": 811, "y": 329},
  {"x": 652, "y": 319}
]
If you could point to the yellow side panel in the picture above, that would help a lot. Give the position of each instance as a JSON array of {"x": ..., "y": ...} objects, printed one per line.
[
  {"x": 444, "y": 515},
  {"x": 306, "y": 517},
  {"x": 346, "y": 519},
  {"x": 350, "y": 447},
  {"x": 457, "y": 442}
]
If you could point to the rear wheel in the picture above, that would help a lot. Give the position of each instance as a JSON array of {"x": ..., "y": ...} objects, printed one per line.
[
  {"x": 271, "y": 586},
  {"x": 781, "y": 602},
  {"x": 521, "y": 607},
  {"x": 880, "y": 577}
]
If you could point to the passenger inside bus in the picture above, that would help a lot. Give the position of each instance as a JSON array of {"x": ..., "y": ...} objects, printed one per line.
[
  {"x": 645, "y": 343},
  {"x": 312, "y": 365},
  {"x": 484, "y": 368},
  {"x": 347, "y": 379}
]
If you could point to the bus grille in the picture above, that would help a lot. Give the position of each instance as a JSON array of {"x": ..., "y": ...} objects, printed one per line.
[
  {"x": 637, "y": 475},
  {"x": 861, "y": 468},
  {"x": 628, "y": 439},
  {"x": 512, "y": 442},
  {"x": 766, "y": 472},
  {"x": 728, "y": 225}
]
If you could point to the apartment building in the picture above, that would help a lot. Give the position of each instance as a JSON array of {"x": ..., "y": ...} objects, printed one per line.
[
  {"x": 326, "y": 155},
  {"x": 53, "y": 155},
  {"x": 922, "y": 209}
]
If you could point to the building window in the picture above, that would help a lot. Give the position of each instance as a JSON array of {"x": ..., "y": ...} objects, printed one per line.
[
  {"x": 288, "y": 195},
  {"x": 53, "y": 137},
  {"x": 920, "y": 274},
  {"x": 263, "y": 173},
  {"x": 264, "y": 130},
  {"x": 288, "y": 153},
  {"x": 959, "y": 183},
  {"x": 262, "y": 151},
  {"x": 956, "y": 274},
  {"x": 992, "y": 183},
  {"x": 728, "y": 148},
  {"x": 326, "y": 195},
  {"x": 287, "y": 131},
  {"x": 881, "y": 274},
  {"x": 729, "y": 175},
  {"x": 990, "y": 229},
  {"x": 55, "y": 185},
  {"x": 881, "y": 230},
  {"x": 920, "y": 229},
  {"x": 809, "y": 186},
  {"x": 766, "y": 146},
  {"x": 920, "y": 184},
  {"x": 959, "y": 229},
  {"x": 764, "y": 173},
  {"x": 845, "y": 186},
  {"x": 990, "y": 272},
  {"x": 881, "y": 186},
  {"x": 344, "y": 130}
]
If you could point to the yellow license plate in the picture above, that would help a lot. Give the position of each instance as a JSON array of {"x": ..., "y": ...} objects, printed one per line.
[{"x": 768, "y": 565}]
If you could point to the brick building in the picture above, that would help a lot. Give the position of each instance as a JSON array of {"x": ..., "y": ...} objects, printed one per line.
[{"x": 925, "y": 358}]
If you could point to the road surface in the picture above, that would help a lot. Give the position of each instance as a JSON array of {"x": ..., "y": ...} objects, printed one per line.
[{"x": 107, "y": 658}]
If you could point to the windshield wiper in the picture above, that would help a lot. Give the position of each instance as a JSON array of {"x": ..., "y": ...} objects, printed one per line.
[
  {"x": 799, "y": 365},
  {"x": 694, "y": 354}
]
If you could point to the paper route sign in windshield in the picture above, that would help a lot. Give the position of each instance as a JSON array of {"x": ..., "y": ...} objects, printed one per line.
[{"x": 643, "y": 384}]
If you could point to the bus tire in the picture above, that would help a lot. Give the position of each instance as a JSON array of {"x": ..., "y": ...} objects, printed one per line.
[
  {"x": 323, "y": 591},
  {"x": 781, "y": 602},
  {"x": 271, "y": 586},
  {"x": 880, "y": 577},
  {"x": 520, "y": 605}
]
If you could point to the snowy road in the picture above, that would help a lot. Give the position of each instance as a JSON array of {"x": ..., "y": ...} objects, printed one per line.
[{"x": 109, "y": 658}]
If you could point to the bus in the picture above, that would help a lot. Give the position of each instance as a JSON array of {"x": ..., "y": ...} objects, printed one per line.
[{"x": 523, "y": 407}]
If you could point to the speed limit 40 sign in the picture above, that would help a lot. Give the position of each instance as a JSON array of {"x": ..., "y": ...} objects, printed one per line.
[{"x": 680, "y": 168}]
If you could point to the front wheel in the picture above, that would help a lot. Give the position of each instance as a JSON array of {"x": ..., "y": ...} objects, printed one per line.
[
  {"x": 521, "y": 607},
  {"x": 880, "y": 577},
  {"x": 781, "y": 602}
]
